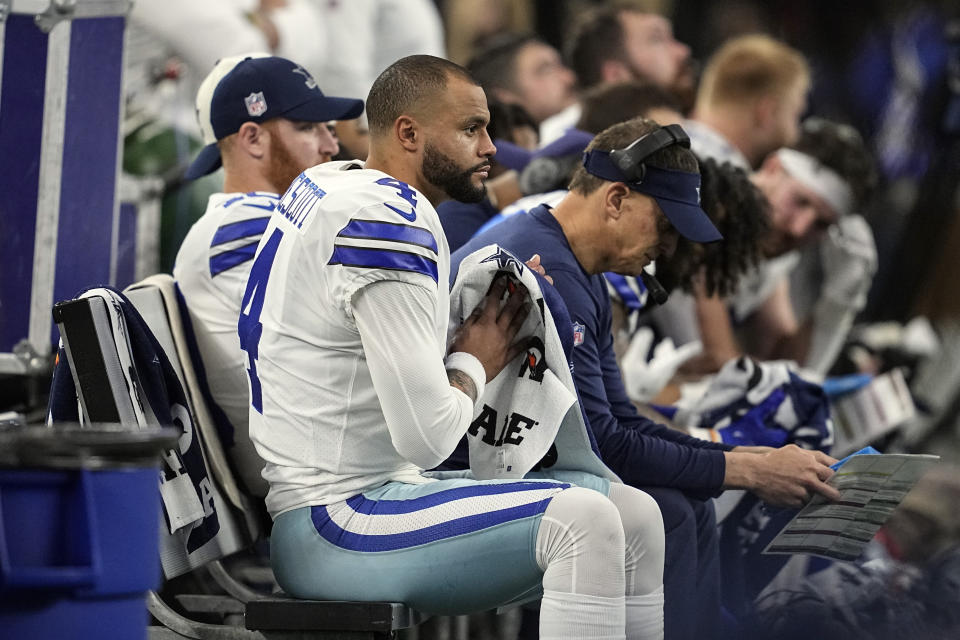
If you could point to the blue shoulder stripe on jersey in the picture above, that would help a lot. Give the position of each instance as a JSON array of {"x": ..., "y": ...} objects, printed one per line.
[
  {"x": 393, "y": 231},
  {"x": 266, "y": 207},
  {"x": 232, "y": 200},
  {"x": 254, "y": 194},
  {"x": 384, "y": 259},
  {"x": 229, "y": 259},
  {"x": 242, "y": 229},
  {"x": 627, "y": 295}
]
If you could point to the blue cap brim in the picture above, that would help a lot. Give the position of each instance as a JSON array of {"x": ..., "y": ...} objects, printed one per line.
[
  {"x": 689, "y": 220},
  {"x": 324, "y": 108},
  {"x": 207, "y": 161},
  {"x": 572, "y": 142},
  {"x": 320, "y": 109},
  {"x": 676, "y": 192},
  {"x": 511, "y": 156}
]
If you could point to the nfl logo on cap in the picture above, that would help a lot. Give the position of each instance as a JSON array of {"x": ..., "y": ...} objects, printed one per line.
[
  {"x": 256, "y": 104},
  {"x": 236, "y": 90}
]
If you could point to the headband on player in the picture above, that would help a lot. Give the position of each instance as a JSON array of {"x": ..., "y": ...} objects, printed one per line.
[
  {"x": 257, "y": 88},
  {"x": 677, "y": 192},
  {"x": 819, "y": 178}
]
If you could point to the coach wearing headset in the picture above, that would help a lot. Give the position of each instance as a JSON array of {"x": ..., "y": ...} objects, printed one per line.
[{"x": 636, "y": 193}]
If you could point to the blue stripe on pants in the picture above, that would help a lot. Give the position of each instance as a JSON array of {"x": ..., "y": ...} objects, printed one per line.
[{"x": 472, "y": 571}]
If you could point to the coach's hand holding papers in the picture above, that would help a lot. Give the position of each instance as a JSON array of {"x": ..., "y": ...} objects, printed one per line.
[
  {"x": 784, "y": 477},
  {"x": 871, "y": 486}
]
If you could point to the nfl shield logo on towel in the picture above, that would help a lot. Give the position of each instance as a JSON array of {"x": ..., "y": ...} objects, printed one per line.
[
  {"x": 577, "y": 334},
  {"x": 256, "y": 104}
]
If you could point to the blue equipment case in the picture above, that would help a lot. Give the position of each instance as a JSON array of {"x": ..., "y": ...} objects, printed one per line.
[{"x": 61, "y": 104}]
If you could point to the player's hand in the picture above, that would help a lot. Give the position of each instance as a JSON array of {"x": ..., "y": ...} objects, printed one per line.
[
  {"x": 536, "y": 267},
  {"x": 489, "y": 332},
  {"x": 784, "y": 477}
]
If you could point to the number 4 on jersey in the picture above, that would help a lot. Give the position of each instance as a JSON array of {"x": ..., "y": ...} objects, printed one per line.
[
  {"x": 249, "y": 327},
  {"x": 404, "y": 191}
]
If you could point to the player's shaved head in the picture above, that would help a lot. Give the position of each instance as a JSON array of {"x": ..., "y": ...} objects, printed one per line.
[{"x": 409, "y": 86}]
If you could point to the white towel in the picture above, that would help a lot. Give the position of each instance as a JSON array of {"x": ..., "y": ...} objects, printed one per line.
[
  {"x": 179, "y": 496},
  {"x": 532, "y": 404}
]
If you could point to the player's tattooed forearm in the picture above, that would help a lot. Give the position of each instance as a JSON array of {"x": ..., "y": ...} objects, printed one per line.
[{"x": 462, "y": 381}]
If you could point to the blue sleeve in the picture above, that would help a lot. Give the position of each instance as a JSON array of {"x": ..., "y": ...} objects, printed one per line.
[
  {"x": 626, "y": 414},
  {"x": 640, "y": 451},
  {"x": 561, "y": 320}
]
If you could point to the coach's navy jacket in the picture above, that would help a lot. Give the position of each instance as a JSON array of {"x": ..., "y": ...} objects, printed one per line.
[{"x": 641, "y": 452}]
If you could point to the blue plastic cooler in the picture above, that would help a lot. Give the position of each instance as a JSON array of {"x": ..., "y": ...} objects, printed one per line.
[{"x": 79, "y": 511}]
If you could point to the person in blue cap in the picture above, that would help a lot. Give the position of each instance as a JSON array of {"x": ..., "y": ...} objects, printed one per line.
[
  {"x": 265, "y": 120},
  {"x": 635, "y": 194}
]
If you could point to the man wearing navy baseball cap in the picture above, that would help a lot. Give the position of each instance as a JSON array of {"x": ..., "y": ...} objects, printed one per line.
[
  {"x": 635, "y": 193},
  {"x": 260, "y": 89},
  {"x": 265, "y": 120}
]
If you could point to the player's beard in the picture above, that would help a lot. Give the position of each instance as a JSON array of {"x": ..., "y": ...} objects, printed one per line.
[
  {"x": 442, "y": 172},
  {"x": 684, "y": 86},
  {"x": 284, "y": 169}
]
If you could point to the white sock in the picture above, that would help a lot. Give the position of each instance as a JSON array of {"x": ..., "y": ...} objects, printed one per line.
[
  {"x": 576, "y": 616},
  {"x": 644, "y": 616}
]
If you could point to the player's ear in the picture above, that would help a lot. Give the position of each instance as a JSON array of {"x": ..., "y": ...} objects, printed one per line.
[
  {"x": 614, "y": 71},
  {"x": 765, "y": 111},
  {"x": 408, "y": 133},
  {"x": 613, "y": 199},
  {"x": 252, "y": 139}
]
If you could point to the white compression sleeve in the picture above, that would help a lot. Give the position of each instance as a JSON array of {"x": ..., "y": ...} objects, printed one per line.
[
  {"x": 425, "y": 415},
  {"x": 580, "y": 547},
  {"x": 644, "y": 538},
  {"x": 575, "y": 616},
  {"x": 644, "y": 557},
  {"x": 644, "y": 616}
]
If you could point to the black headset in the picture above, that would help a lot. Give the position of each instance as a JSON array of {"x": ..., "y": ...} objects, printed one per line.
[{"x": 630, "y": 159}]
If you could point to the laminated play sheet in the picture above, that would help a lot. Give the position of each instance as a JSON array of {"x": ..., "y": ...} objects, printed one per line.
[{"x": 871, "y": 486}]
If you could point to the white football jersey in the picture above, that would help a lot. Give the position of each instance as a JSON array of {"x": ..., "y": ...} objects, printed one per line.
[
  {"x": 707, "y": 142},
  {"x": 211, "y": 271},
  {"x": 315, "y": 415}
]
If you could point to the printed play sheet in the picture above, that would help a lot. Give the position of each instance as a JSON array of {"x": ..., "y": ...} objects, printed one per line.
[{"x": 871, "y": 487}]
